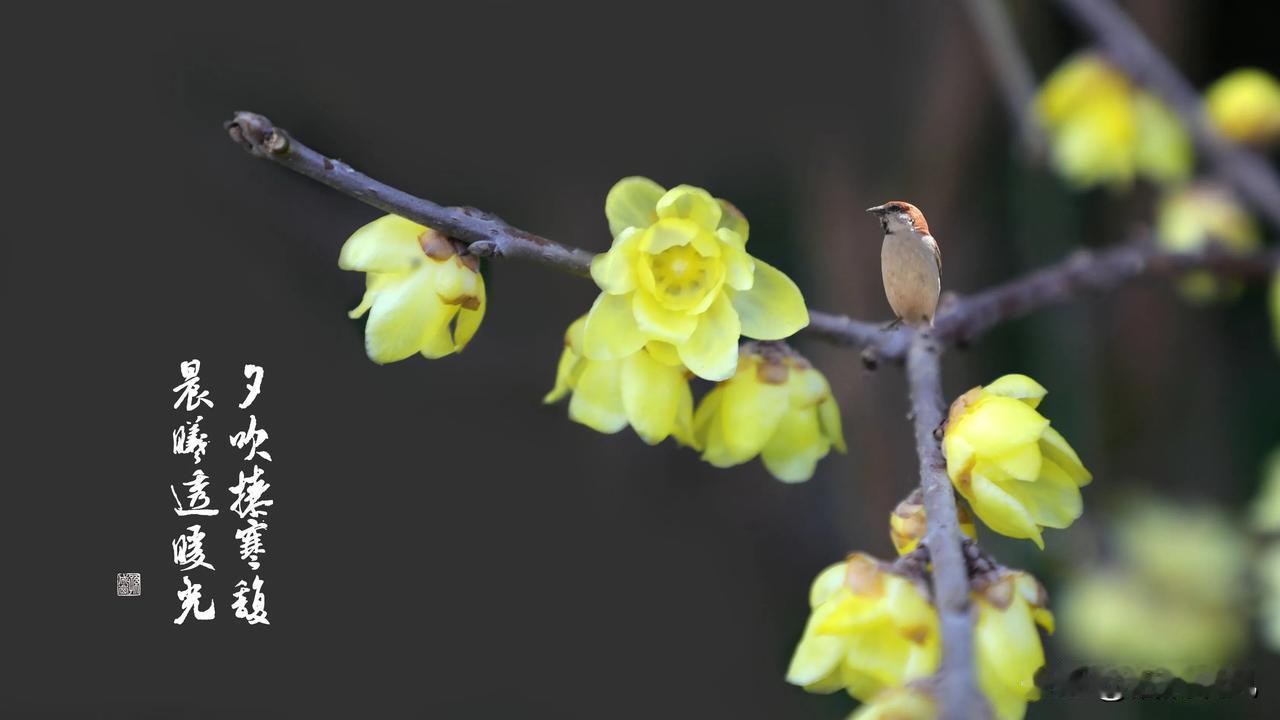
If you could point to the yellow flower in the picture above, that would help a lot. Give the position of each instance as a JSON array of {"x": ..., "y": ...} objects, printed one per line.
[
  {"x": 1104, "y": 130},
  {"x": 1192, "y": 217},
  {"x": 648, "y": 390},
  {"x": 421, "y": 296},
  {"x": 908, "y": 523},
  {"x": 870, "y": 629},
  {"x": 776, "y": 406},
  {"x": 679, "y": 272},
  {"x": 1268, "y": 572},
  {"x": 1175, "y": 597},
  {"x": 1245, "y": 106},
  {"x": 1265, "y": 508},
  {"x": 899, "y": 703},
  {"x": 1007, "y": 643},
  {"x": 1114, "y": 618},
  {"x": 1017, "y": 473}
]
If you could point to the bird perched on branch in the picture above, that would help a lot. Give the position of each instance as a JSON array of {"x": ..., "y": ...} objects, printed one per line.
[{"x": 910, "y": 263}]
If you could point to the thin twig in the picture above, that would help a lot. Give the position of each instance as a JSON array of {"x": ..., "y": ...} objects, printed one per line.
[
  {"x": 955, "y": 677},
  {"x": 1013, "y": 70},
  {"x": 961, "y": 320},
  {"x": 1131, "y": 51}
]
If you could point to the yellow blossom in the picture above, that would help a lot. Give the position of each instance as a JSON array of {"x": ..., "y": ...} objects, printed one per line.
[
  {"x": 648, "y": 390},
  {"x": 1117, "y": 619},
  {"x": 678, "y": 272},
  {"x": 899, "y": 703},
  {"x": 1195, "y": 216},
  {"x": 421, "y": 296},
  {"x": 1103, "y": 130},
  {"x": 1268, "y": 573},
  {"x": 1007, "y": 644},
  {"x": 776, "y": 406},
  {"x": 908, "y": 523},
  {"x": 870, "y": 629},
  {"x": 1265, "y": 508},
  {"x": 1245, "y": 106},
  {"x": 1161, "y": 541},
  {"x": 1018, "y": 473},
  {"x": 1172, "y": 598}
]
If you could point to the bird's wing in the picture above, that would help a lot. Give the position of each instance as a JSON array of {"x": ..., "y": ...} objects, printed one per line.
[{"x": 937, "y": 252}]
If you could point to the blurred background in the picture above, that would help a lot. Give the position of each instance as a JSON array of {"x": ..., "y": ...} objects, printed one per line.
[{"x": 443, "y": 544}]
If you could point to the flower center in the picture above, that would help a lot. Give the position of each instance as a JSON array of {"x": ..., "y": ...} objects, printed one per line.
[{"x": 681, "y": 276}]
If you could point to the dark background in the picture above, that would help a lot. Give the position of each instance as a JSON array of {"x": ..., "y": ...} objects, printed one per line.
[{"x": 442, "y": 544}]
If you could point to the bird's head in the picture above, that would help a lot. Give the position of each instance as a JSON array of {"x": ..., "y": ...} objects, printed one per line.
[{"x": 898, "y": 216}]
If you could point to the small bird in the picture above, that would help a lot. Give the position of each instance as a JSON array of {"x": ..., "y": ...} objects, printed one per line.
[{"x": 910, "y": 263}]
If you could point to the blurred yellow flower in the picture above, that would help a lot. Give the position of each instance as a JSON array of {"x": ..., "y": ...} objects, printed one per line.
[
  {"x": 899, "y": 703},
  {"x": 1114, "y": 619},
  {"x": 1017, "y": 473},
  {"x": 1103, "y": 130},
  {"x": 1265, "y": 508},
  {"x": 1174, "y": 598},
  {"x": 1268, "y": 573},
  {"x": 1162, "y": 541},
  {"x": 421, "y": 295},
  {"x": 679, "y": 272},
  {"x": 1245, "y": 106},
  {"x": 776, "y": 406},
  {"x": 869, "y": 630},
  {"x": 648, "y": 390},
  {"x": 908, "y": 523},
  {"x": 1007, "y": 643},
  {"x": 1192, "y": 217}
]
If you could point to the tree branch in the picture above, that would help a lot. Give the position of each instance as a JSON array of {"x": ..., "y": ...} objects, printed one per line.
[
  {"x": 968, "y": 317},
  {"x": 956, "y": 681},
  {"x": 960, "y": 320},
  {"x": 1132, "y": 52}
]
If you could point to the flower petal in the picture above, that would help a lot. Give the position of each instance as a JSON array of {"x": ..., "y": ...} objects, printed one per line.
[
  {"x": 374, "y": 283},
  {"x": 1018, "y": 387},
  {"x": 683, "y": 429},
  {"x": 739, "y": 267},
  {"x": 996, "y": 425},
  {"x": 692, "y": 203},
  {"x": 612, "y": 270},
  {"x": 664, "y": 352},
  {"x": 403, "y": 315},
  {"x": 659, "y": 322},
  {"x": 566, "y": 376},
  {"x": 750, "y": 412},
  {"x": 1053, "y": 500},
  {"x": 597, "y": 400},
  {"x": 439, "y": 343},
  {"x": 632, "y": 202},
  {"x": 773, "y": 308},
  {"x": 469, "y": 320},
  {"x": 829, "y": 419},
  {"x": 611, "y": 332},
  {"x": 1055, "y": 449},
  {"x": 388, "y": 244},
  {"x": 827, "y": 583},
  {"x": 731, "y": 218},
  {"x": 651, "y": 394},
  {"x": 796, "y": 447},
  {"x": 999, "y": 510},
  {"x": 1008, "y": 643},
  {"x": 1020, "y": 463},
  {"x": 711, "y": 352}
]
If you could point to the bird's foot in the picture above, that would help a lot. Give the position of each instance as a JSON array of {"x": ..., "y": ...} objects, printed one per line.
[{"x": 891, "y": 325}]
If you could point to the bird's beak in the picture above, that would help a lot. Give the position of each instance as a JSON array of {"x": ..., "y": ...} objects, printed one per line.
[{"x": 876, "y": 210}]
